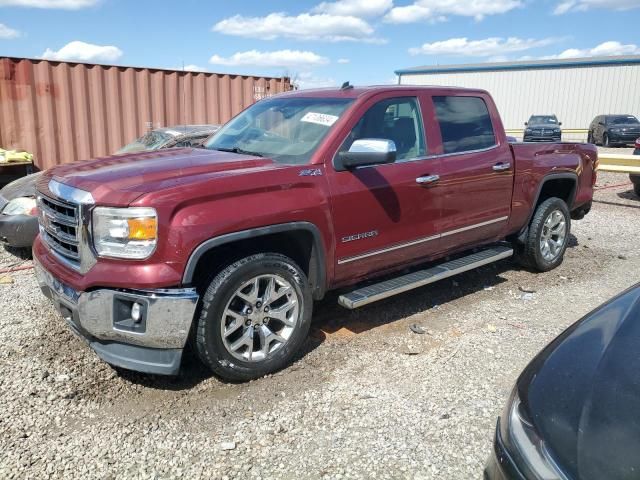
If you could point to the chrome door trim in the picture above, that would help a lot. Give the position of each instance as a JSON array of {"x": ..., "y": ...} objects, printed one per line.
[
  {"x": 476, "y": 225},
  {"x": 372, "y": 253},
  {"x": 388, "y": 249}
]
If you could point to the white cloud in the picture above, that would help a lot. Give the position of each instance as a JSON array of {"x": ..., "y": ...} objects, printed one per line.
[
  {"x": 354, "y": 8},
  {"x": 332, "y": 28},
  {"x": 7, "y": 33},
  {"x": 84, "y": 52},
  {"x": 438, "y": 10},
  {"x": 344, "y": 60},
  {"x": 480, "y": 48},
  {"x": 581, "y": 5},
  {"x": 54, "y": 4},
  {"x": 602, "y": 50},
  {"x": 279, "y": 58},
  {"x": 192, "y": 68},
  {"x": 306, "y": 80}
]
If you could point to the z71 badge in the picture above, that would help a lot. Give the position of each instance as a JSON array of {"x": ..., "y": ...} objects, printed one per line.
[{"x": 360, "y": 236}]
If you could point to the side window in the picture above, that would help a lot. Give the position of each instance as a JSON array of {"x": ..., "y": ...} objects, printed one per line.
[
  {"x": 465, "y": 123},
  {"x": 396, "y": 119}
]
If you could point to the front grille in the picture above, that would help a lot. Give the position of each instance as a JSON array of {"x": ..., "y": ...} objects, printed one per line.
[{"x": 60, "y": 226}]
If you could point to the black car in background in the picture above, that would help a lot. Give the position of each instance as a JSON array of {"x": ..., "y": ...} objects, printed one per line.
[
  {"x": 18, "y": 212},
  {"x": 542, "y": 128},
  {"x": 612, "y": 130},
  {"x": 574, "y": 412}
]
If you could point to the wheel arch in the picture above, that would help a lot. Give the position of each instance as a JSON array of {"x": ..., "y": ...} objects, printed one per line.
[
  {"x": 562, "y": 185},
  {"x": 300, "y": 240}
]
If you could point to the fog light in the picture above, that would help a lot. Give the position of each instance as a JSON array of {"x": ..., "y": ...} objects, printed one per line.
[{"x": 136, "y": 312}]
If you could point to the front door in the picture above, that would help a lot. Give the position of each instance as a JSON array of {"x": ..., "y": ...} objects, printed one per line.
[{"x": 383, "y": 217}]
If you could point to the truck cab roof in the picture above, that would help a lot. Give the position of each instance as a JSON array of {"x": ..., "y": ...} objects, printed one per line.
[{"x": 359, "y": 91}]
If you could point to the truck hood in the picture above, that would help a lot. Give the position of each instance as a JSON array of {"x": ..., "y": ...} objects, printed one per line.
[
  {"x": 582, "y": 391},
  {"x": 120, "y": 179}
]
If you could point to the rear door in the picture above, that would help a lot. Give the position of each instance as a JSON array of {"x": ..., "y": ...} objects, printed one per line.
[
  {"x": 383, "y": 217},
  {"x": 476, "y": 179}
]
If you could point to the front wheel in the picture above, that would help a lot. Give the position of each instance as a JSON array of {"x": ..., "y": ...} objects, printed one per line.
[
  {"x": 605, "y": 141},
  {"x": 256, "y": 315},
  {"x": 548, "y": 236},
  {"x": 590, "y": 138}
]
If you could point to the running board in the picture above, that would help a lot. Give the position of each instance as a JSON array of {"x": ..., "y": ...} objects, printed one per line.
[{"x": 394, "y": 286}]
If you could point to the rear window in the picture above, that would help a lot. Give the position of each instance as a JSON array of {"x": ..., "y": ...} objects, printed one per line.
[{"x": 465, "y": 124}]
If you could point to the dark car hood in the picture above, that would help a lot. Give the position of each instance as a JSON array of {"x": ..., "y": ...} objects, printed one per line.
[
  {"x": 120, "y": 179},
  {"x": 543, "y": 125},
  {"x": 22, "y": 187},
  {"x": 583, "y": 392}
]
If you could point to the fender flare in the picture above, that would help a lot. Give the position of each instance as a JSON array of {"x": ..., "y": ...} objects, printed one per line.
[
  {"x": 549, "y": 177},
  {"x": 317, "y": 276}
]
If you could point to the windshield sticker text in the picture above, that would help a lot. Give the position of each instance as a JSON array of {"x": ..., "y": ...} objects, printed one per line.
[{"x": 319, "y": 118}]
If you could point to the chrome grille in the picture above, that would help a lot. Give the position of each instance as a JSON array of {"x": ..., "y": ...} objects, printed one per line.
[{"x": 60, "y": 226}]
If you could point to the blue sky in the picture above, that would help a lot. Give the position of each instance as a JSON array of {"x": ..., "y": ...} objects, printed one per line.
[{"x": 318, "y": 43}]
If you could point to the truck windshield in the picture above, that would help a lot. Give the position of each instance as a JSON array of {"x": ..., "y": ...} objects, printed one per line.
[{"x": 288, "y": 130}]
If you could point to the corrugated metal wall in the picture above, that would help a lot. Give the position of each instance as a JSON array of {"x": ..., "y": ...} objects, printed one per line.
[
  {"x": 575, "y": 94},
  {"x": 62, "y": 112}
]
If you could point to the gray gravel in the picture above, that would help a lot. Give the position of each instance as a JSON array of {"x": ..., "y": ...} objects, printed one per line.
[{"x": 369, "y": 399}]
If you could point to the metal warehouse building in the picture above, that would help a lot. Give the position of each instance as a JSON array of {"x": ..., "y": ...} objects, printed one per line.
[{"x": 576, "y": 90}]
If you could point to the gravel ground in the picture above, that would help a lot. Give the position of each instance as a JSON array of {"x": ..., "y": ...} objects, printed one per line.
[{"x": 368, "y": 399}]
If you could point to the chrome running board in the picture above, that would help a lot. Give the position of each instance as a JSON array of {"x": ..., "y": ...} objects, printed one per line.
[{"x": 373, "y": 293}]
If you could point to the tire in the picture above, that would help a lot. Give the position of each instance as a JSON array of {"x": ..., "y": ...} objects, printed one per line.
[
  {"x": 534, "y": 255},
  {"x": 233, "y": 302},
  {"x": 636, "y": 188},
  {"x": 605, "y": 141},
  {"x": 590, "y": 138}
]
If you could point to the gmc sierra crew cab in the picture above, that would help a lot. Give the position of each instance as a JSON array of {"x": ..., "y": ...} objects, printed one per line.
[{"x": 373, "y": 191}]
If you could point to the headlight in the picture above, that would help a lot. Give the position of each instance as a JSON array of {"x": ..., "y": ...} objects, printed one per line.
[
  {"x": 556, "y": 130},
  {"x": 615, "y": 130},
  {"x": 528, "y": 130},
  {"x": 125, "y": 232},
  {"x": 521, "y": 439},
  {"x": 21, "y": 206}
]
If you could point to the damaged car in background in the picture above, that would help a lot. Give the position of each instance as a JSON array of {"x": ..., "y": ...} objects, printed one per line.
[{"x": 18, "y": 210}]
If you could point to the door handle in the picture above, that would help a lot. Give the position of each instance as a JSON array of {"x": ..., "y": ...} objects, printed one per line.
[
  {"x": 427, "y": 179},
  {"x": 500, "y": 167}
]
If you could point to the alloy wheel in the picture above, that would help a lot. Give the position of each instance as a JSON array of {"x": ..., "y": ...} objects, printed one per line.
[
  {"x": 260, "y": 318},
  {"x": 553, "y": 236}
]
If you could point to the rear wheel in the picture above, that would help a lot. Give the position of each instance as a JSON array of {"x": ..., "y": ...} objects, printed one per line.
[
  {"x": 255, "y": 317},
  {"x": 548, "y": 236}
]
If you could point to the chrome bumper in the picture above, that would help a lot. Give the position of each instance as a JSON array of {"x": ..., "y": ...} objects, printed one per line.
[{"x": 153, "y": 345}]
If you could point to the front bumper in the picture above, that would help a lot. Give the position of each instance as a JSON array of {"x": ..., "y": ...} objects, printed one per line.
[
  {"x": 500, "y": 465},
  {"x": 154, "y": 344},
  {"x": 18, "y": 230}
]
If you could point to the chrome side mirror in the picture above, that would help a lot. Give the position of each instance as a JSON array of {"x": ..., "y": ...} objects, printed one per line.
[{"x": 366, "y": 151}]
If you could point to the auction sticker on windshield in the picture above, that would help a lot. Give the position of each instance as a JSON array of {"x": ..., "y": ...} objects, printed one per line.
[{"x": 319, "y": 118}]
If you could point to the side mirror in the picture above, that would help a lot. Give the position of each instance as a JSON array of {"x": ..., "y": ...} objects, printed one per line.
[
  {"x": 366, "y": 151},
  {"x": 526, "y": 124},
  {"x": 559, "y": 123}
]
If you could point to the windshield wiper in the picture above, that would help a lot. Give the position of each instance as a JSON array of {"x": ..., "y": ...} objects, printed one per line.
[{"x": 240, "y": 151}]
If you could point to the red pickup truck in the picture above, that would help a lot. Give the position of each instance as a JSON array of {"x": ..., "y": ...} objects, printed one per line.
[{"x": 373, "y": 191}]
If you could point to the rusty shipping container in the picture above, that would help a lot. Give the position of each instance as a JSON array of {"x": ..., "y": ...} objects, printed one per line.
[{"x": 63, "y": 112}]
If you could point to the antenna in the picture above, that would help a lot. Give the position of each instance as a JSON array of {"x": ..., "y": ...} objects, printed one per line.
[{"x": 346, "y": 86}]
